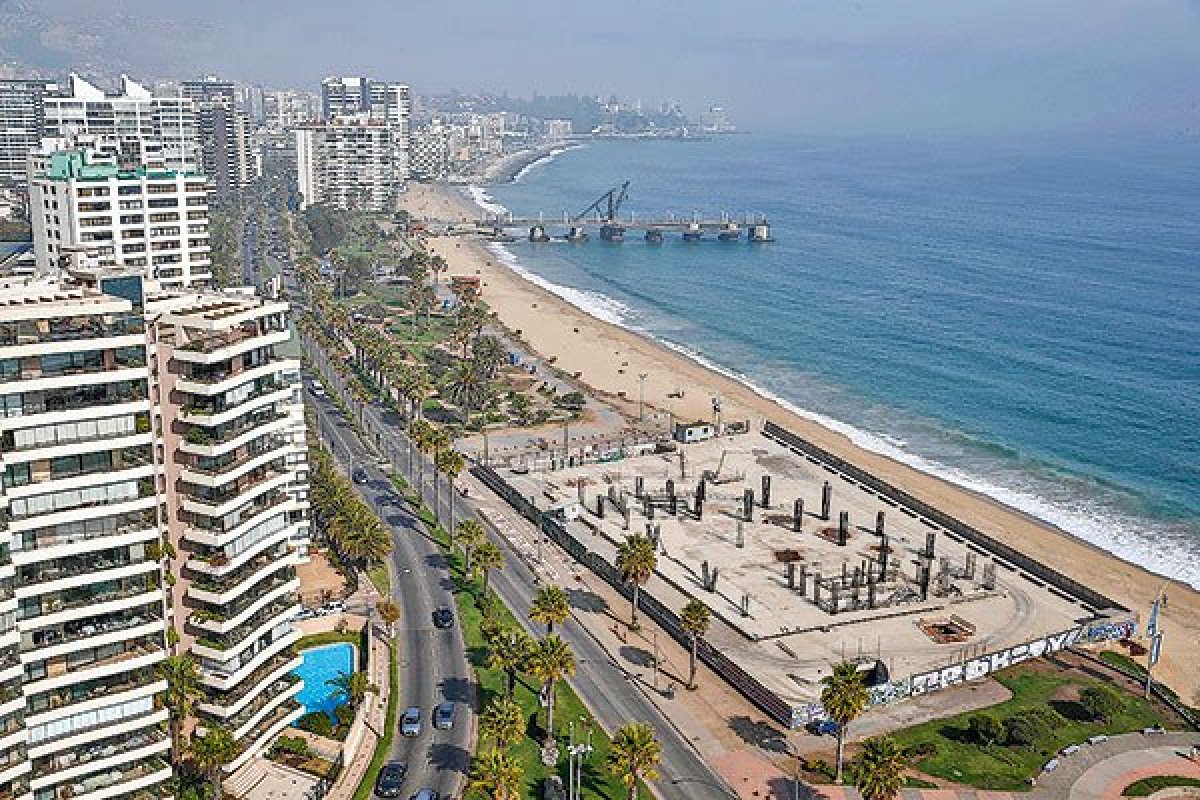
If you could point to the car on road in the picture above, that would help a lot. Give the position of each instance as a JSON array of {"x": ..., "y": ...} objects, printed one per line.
[
  {"x": 332, "y": 607},
  {"x": 304, "y": 613},
  {"x": 390, "y": 779},
  {"x": 443, "y": 618},
  {"x": 425, "y": 794},
  {"x": 410, "y": 722},
  {"x": 359, "y": 475},
  {"x": 315, "y": 389},
  {"x": 443, "y": 716},
  {"x": 823, "y": 727}
]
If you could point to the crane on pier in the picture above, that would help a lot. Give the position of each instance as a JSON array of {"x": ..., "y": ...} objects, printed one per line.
[{"x": 607, "y": 206}]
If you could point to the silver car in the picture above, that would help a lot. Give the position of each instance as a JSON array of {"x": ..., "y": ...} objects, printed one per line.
[{"x": 410, "y": 723}]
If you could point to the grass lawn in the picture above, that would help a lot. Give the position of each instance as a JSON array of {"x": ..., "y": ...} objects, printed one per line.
[
  {"x": 1148, "y": 786},
  {"x": 597, "y": 781},
  {"x": 381, "y": 578},
  {"x": 957, "y": 757},
  {"x": 383, "y": 747}
]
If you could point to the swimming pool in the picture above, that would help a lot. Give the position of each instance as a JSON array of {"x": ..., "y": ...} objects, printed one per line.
[{"x": 318, "y": 665}]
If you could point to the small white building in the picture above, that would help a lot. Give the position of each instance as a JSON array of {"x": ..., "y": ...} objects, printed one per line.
[{"x": 697, "y": 431}]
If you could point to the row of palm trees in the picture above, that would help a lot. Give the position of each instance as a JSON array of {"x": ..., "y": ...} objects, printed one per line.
[
  {"x": 880, "y": 763},
  {"x": 200, "y": 754},
  {"x": 353, "y": 529}
]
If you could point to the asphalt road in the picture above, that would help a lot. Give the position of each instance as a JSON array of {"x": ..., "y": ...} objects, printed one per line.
[
  {"x": 433, "y": 664},
  {"x": 606, "y": 688}
]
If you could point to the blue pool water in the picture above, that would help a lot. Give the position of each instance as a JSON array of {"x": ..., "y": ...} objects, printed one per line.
[{"x": 319, "y": 665}]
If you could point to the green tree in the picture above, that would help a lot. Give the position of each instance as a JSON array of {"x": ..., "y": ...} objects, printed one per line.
[
  {"x": 695, "y": 619},
  {"x": 470, "y": 536},
  {"x": 636, "y": 561},
  {"x": 503, "y": 720},
  {"x": 879, "y": 769},
  {"x": 844, "y": 698},
  {"x": 551, "y": 661},
  {"x": 986, "y": 729},
  {"x": 487, "y": 558},
  {"x": 183, "y": 689},
  {"x": 212, "y": 752},
  {"x": 389, "y": 612},
  {"x": 508, "y": 650},
  {"x": 354, "y": 686},
  {"x": 634, "y": 756},
  {"x": 550, "y": 607},
  {"x": 1101, "y": 702},
  {"x": 496, "y": 775}
]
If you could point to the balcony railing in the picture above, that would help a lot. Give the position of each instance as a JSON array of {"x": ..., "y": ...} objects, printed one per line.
[
  {"x": 224, "y": 641},
  {"x": 250, "y": 683},
  {"x": 243, "y": 455},
  {"x": 232, "y": 609},
  {"x": 210, "y": 344},
  {"x": 265, "y": 696},
  {"x": 206, "y": 437},
  {"x": 107, "y": 748},
  {"x": 224, "y": 583},
  {"x": 112, "y": 777},
  {"x": 70, "y": 330},
  {"x": 211, "y": 408}
]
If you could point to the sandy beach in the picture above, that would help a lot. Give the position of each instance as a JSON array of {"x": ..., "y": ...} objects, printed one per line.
[{"x": 610, "y": 359}]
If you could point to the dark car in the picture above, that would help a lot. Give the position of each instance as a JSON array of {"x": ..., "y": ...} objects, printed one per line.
[
  {"x": 391, "y": 777},
  {"x": 359, "y": 475},
  {"x": 443, "y": 618},
  {"x": 425, "y": 794},
  {"x": 443, "y": 716},
  {"x": 823, "y": 727}
]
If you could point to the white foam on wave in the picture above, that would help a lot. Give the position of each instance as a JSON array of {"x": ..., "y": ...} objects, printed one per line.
[
  {"x": 481, "y": 198},
  {"x": 546, "y": 159},
  {"x": 595, "y": 304},
  {"x": 1115, "y": 533}
]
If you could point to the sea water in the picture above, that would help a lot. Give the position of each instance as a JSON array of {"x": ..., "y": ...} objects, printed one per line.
[{"x": 1020, "y": 318}]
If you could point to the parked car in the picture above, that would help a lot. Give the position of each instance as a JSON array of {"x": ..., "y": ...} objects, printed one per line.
[
  {"x": 359, "y": 475},
  {"x": 443, "y": 716},
  {"x": 410, "y": 723},
  {"x": 304, "y": 613},
  {"x": 333, "y": 607},
  {"x": 390, "y": 779},
  {"x": 425, "y": 794},
  {"x": 443, "y": 618},
  {"x": 823, "y": 727}
]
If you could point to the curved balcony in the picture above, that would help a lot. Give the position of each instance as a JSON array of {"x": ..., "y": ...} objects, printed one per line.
[
  {"x": 230, "y": 617},
  {"x": 234, "y": 673},
  {"x": 102, "y": 754},
  {"x": 258, "y": 737},
  {"x": 210, "y": 416},
  {"x": 220, "y": 590},
  {"x": 221, "y": 703},
  {"x": 215, "y": 348},
  {"x": 220, "y": 503},
  {"x": 219, "y": 382},
  {"x": 277, "y": 613}
]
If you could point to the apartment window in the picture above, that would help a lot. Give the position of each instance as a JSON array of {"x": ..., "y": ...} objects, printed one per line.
[
  {"x": 96, "y": 236},
  {"x": 63, "y": 363},
  {"x": 129, "y": 190},
  {"x": 121, "y": 492},
  {"x": 197, "y": 201},
  {"x": 133, "y": 233},
  {"x": 197, "y": 215},
  {"x": 90, "y": 719},
  {"x": 132, "y": 219},
  {"x": 167, "y": 217},
  {"x": 17, "y": 475},
  {"x": 83, "y": 464},
  {"x": 133, "y": 248}
]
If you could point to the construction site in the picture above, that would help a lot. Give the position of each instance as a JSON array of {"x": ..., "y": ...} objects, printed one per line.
[{"x": 803, "y": 566}]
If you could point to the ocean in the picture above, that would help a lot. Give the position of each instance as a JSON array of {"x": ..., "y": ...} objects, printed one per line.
[{"x": 1022, "y": 318}]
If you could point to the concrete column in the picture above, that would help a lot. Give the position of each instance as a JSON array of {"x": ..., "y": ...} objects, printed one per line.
[
  {"x": 639, "y": 486},
  {"x": 766, "y": 491},
  {"x": 826, "y": 500},
  {"x": 930, "y": 544},
  {"x": 843, "y": 528},
  {"x": 798, "y": 514},
  {"x": 879, "y": 523},
  {"x": 748, "y": 505},
  {"x": 791, "y": 574},
  {"x": 803, "y": 579}
]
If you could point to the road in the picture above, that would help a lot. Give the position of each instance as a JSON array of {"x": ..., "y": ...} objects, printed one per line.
[
  {"x": 605, "y": 687},
  {"x": 433, "y": 664}
]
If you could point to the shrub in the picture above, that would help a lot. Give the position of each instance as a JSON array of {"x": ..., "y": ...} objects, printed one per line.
[
  {"x": 317, "y": 722},
  {"x": 1101, "y": 702},
  {"x": 344, "y": 714},
  {"x": 1031, "y": 726},
  {"x": 985, "y": 729},
  {"x": 293, "y": 745},
  {"x": 920, "y": 750}
]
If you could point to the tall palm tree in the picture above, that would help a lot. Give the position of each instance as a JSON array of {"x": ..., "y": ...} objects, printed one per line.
[
  {"x": 496, "y": 775},
  {"x": 467, "y": 388},
  {"x": 470, "y": 536},
  {"x": 550, "y": 661},
  {"x": 439, "y": 440},
  {"x": 489, "y": 354},
  {"x": 880, "y": 765},
  {"x": 550, "y": 607},
  {"x": 503, "y": 720},
  {"x": 389, "y": 612},
  {"x": 487, "y": 558},
  {"x": 450, "y": 463},
  {"x": 354, "y": 686},
  {"x": 212, "y": 751},
  {"x": 634, "y": 756},
  {"x": 509, "y": 651},
  {"x": 636, "y": 561},
  {"x": 695, "y": 620},
  {"x": 844, "y": 698},
  {"x": 183, "y": 689}
]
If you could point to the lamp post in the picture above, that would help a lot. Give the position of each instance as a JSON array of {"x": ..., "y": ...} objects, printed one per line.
[{"x": 641, "y": 397}]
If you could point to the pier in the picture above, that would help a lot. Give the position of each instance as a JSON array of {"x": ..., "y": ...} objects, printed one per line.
[{"x": 603, "y": 217}]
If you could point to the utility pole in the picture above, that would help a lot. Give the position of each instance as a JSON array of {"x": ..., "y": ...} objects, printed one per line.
[{"x": 641, "y": 396}]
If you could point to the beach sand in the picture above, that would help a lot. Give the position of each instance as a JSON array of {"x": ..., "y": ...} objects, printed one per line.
[{"x": 610, "y": 359}]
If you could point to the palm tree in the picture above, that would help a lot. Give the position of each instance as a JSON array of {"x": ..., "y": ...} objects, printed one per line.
[
  {"x": 354, "y": 686},
  {"x": 389, "y": 612},
  {"x": 550, "y": 662},
  {"x": 880, "y": 765},
  {"x": 489, "y": 354},
  {"x": 470, "y": 536},
  {"x": 636, "y": 561},
  {"x": 496, "y": 776},
  {"x": 467, "y": 387},
  {"x": 183, "y": 688},
  {"x": 450, "y": 463},
  {"x": 212, "y": 751},
  {"x": 695, "y": 620},
  {"x": 844, "y": 698},
  {"x": 550, "y": 607},
  {"x": 487, "y": 558},
  {"x": 503, "y": 720},
  {"x": 634, "y": 755},
  {"x": 509, "y": 651},
  {"x": 438, "y": 441}
]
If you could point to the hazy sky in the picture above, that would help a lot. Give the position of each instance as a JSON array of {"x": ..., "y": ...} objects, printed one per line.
[{"x": 903, "y": 67}]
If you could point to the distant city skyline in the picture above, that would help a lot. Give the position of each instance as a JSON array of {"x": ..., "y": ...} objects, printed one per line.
[{"x": 920, "y": 68}]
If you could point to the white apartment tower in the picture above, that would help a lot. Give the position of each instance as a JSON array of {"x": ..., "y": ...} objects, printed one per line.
[
  {"x": 22, "y": 118},
  {"x": 349, "y": 164},
  {"x": 153, "y": 500},
  {"x": 163, "y": 123},
  {"x": 155, "y": 221}
]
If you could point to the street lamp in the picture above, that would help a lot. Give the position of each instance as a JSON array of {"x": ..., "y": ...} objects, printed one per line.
[
  {"x": 641, "y": 396},
  {"x": 576, "y": 753}
]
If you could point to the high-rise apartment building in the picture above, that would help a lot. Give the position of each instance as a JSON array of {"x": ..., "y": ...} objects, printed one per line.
[
  {"x": 151, "y": 483},
  {"x": 155, "y": 221},
  {"x": 350, "y": 164},
  {"x": 385, "y": 102},
  {"x": 224, "y": 131},
  {"x": 163, "y": 123},
  {"x": 22, "y": 118},
  {"x": 287, "y": 108}
]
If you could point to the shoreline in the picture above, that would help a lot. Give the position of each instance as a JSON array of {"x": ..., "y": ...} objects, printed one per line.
[
  {"x": 554, "y": 325},
  {"x": 510, "y": 168}
]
